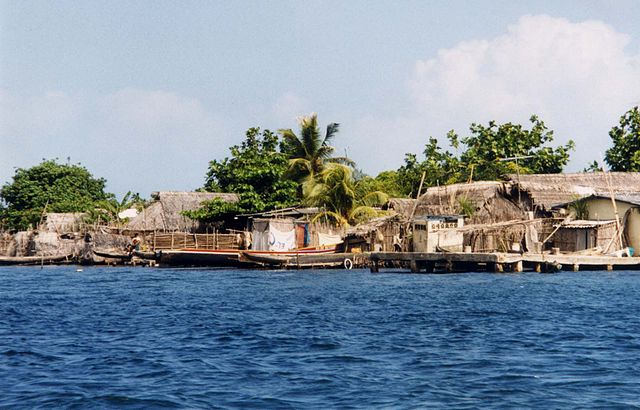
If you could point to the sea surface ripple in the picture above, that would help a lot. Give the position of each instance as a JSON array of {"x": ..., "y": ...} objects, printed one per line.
[{"x": 187, "y": 338}]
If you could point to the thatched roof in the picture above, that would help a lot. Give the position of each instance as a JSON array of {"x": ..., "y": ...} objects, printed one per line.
[
  {"x": 62, "y": 222},
  {"x": 402, "y": 206},
  {"x": 445, "y": 200},
  {"x": 372, "y": 225},
  {"x": 165, "y": 213},
  {"x": 549, "y": 190}
]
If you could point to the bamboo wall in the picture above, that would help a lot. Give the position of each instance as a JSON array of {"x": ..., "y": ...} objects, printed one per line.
[
  {"x": 5, "y": 241},
  {"x": 179, "y": 240}
]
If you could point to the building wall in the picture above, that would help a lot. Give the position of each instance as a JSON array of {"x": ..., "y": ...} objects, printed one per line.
[
  {"x": 601, "y": 209},
  {"x": 578, "y": 239},
  {"x": 632, "y": 230},
  {"x": 431, "y": 234}
]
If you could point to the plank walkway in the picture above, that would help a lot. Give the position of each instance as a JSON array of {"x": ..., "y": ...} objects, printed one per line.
[{"x": 498, "y": 262}]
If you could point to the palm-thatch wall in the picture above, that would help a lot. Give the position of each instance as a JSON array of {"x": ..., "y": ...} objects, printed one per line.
[
  {"x": 165, "y": 213},
  {"x": 542, "y": 192}
]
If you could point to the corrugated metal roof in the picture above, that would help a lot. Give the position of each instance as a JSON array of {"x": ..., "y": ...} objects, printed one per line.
[{"x": 582, "y": 224}]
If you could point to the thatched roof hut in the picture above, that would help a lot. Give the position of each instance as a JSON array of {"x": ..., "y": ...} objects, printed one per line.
[
  {"x": 484, "y": 201},
  {"x": 545, "y": 191},
  {"x": 165, "y": 212}
]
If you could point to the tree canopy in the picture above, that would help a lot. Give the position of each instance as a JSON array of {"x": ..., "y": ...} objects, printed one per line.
[
  {"x": 256, "y": 172},
  {"x": 49, "y": 187},
  {"x": 625, "y": 153},
  {"x": 487, "y": 153}
]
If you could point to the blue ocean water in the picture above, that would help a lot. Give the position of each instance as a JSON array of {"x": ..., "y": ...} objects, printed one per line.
[{"x": 172, "y": 338}]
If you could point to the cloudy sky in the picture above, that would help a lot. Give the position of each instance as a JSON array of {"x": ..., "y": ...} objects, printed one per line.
[{"x": 145, "y": 93}]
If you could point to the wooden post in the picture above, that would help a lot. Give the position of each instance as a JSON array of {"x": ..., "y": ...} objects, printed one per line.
[
  {"x": 498, "y": 267},
  {"x": 517, "y": 267},
  {"x": 374, "y": 266},
  {"x": 414, "y": 266},
  {"x": 538, "y": 268},
  {"x": 576, "y": 267},
  {"x": 195, "y": 236},
  {"x": 171, "y": 239},
  {"x": 609, "y": 267}
]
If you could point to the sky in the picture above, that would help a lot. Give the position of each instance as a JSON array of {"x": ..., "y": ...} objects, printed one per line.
[{"x": 146, "y": 93}]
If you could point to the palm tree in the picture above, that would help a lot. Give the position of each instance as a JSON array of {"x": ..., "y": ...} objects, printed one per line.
[
  {"x": 309, "y": 153},
  {"x": 112, "y": 208},
  {"x": 341, "y": 198}
]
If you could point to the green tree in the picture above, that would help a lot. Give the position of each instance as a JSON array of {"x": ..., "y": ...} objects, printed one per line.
[
  {"x": 486, "y": 149},
  {"x": 440, "y": 167},
  {"x": 309, "y": 152},
  {"x": 255, "y": 171},
  {"x": 625, "y": 153},
  {"x": 341, "y": 197},
  {"x": 49, "y": 187},
  {"x": 487, "y": 153},
  {"x": 386, "y": 181}
]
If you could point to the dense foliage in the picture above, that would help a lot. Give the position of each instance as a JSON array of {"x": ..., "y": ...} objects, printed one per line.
[
  {"x": 487, "y": 153},
  {"x": 49, "y": 187},
  {"x": 625, "y": 153},
  {"x": 256, "y": 172}
]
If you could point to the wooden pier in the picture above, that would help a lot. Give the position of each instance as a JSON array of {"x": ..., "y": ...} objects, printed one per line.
[{"x": 498, "y": 262}]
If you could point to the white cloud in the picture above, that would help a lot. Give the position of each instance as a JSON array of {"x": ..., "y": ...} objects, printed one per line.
[{"x": 579, "y": 77}]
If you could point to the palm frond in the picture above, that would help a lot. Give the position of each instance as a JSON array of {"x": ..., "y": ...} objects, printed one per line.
[
  {"x": 332, "y": 130},
  {"x": 342, "y": 160},
  {"x": 375, "y": 198},
  {"x": 364, "y": 213},
  {"x": 329, "y": 215}
]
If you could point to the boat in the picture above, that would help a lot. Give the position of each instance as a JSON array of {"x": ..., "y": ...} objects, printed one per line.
[
  {"x": 112, "y": 254},
  {"x": 200, "y": 257},
  {"x": 36, "y": 260},
  {"x": 299, "y": 260},
  {"x": 235, "y": 257},
  {"x": 311, "y": 256},
  {"x": 124, "y": 256}
]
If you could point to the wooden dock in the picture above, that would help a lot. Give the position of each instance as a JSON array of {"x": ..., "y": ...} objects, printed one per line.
[{"x": 497, "y": 262}]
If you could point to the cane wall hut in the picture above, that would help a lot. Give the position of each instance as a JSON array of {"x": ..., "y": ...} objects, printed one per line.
[
  {"x": 480, "y": 202},
  {"x": 599, "y": 208},
  {"x": 581, "y": 235}
]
